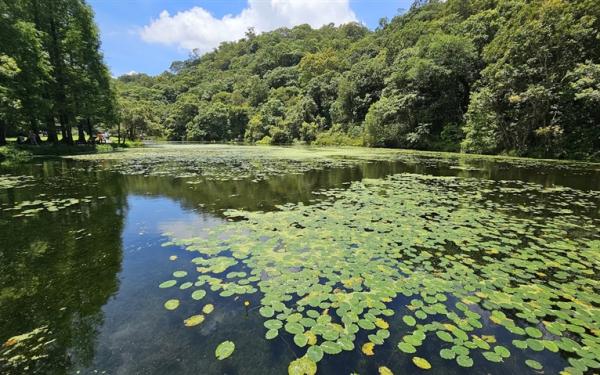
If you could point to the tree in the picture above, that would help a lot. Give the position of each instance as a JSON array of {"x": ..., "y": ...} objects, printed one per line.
[
  {"x": 9, "y": 102},
  {"x": 508, "y": 76}
]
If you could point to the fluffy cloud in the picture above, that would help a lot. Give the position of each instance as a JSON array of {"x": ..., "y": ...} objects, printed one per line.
[{"x": 197, "y": 28}]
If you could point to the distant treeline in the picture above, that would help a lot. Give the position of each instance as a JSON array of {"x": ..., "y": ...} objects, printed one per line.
[
  {"x": 520, "y": 77},
  {"x": 52, "y": 75},
  {"x": 486, "y": 76}
]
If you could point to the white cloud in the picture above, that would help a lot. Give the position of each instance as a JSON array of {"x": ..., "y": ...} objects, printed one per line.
[
  {"x": 131, "y": 73},
  {"x": 197, "y": 28}
]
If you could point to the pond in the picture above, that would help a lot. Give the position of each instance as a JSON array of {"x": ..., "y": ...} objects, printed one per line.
[{"x": 207, "y": 259}]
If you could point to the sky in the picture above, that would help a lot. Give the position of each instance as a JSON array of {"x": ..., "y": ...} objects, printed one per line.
[{"x": 146, "y": 36}]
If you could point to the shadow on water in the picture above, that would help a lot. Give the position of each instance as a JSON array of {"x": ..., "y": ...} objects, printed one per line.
[
  {"x": 58, "y": 270},
  {"x": 87, "y": 274},
  {"x": 215, "y": 195}
]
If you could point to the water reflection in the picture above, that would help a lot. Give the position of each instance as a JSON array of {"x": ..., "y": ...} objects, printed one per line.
[
  {"x": 58, "y": 270},
  {"x": 89, "y": 272}
]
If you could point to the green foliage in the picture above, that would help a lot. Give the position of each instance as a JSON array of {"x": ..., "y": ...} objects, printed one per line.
[
  {"x": 506, "y": 271},
  {"x": 337, "y": 137},
  {"x": 511, "y": 76},
  {"x": 51, "y": 70},
  {"x": 481, "y": 128}
]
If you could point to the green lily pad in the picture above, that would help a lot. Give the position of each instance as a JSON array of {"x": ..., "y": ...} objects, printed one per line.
[
  {"x": 447, "y": 354},
  {"x": 502, "y": 351},
  {"x": 302, "y": 366},
  {"x": 198, "y": 294},
  {"x": 194, "y": 320},
  {"x": 315, "y": 353},
  {"x": 534, "y": 364},
  {"x": 167, "y": 284},
  {"x": 294, "y": 328},
  {"x": 208, "y": 308},
  {"x": 406, "y": 347},
  {"x": 492, "y": 356},
  {"x": 331, "y": 347},
  {"x": 421, "y": 363},
  {"x": 464, "y": 361},
  {"x": 266, "y": 311},
  {"x": 224, "y": 350},
  {"x": 533, "y": 332},
  {"x": 300, "y": 340},
  {"x": 444, "y": 336},
  {"x": 520, "y": 344},
  {"x": 273, "y": 324},
  {"x": 179, "y": 274},
  {"x": 271, "y": 334},
  {"x": 409, "y": 320},
  {"x": 172, "y": 304}
]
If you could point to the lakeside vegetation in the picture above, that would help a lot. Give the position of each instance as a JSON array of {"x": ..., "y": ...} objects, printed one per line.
[
  {"x": 300, "y": 251},
  {"x": 480, "y": 76},
  {"x": 302, "y": 260},
  {"x": 507, "y": 77},
  {"x": 52, "y": 75}
]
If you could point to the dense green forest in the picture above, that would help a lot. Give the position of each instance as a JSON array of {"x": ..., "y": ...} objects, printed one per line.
[
  {"x": 519, "y": 77},
  {"x": 52, "y": 74},
  {"x": 483, "y": 76}
]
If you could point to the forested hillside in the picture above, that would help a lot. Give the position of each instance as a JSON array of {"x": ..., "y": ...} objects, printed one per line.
[
  {"x": 52, "y": 75},
  {"x": 483, "y": 76}
]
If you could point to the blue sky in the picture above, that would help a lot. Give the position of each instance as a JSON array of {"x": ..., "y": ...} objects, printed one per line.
[{"x": 147, "y": 35}]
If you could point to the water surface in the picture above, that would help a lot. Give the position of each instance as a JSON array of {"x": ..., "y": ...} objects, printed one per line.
[{"x": 82, "y": 274}]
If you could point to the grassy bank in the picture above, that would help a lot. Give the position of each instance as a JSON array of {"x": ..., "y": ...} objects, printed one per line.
[{"x": 13, "y": 152}]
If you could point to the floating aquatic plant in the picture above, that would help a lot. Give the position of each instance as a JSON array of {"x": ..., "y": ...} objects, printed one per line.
[
  {"x": 224, "y": 350},
  {"x": 465, "y": 253}
]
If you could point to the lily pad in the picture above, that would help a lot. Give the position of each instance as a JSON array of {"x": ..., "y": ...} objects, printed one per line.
[
  {"x": 421, "y": 363},
  {"x": 167, "y": 284},
  {"x": 302, "y": 366},
  {"x": 194, "y": 320},
  {"x": 367, "y": 348},
  {"x": 208, "y": 308},
  {"x": 224, "y": 350},
  {"x": 172, "y": 304},
  {"x": 409, "y": 320},
  {"x": 464, "y": 361},
  {"x": 198, "y": 294},
  {"x": 406, "y": 347},
  {"x": 315, "y": 353},
  {"x": 534, "y": 364}
]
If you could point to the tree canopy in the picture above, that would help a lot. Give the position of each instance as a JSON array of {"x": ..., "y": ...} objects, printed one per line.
[
  {"x": 483, "y": 76},
  {"x": 52, "y": 74}
]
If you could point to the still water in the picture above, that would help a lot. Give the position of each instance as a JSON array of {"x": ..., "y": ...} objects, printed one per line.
[{"x": 82, "y": 277}]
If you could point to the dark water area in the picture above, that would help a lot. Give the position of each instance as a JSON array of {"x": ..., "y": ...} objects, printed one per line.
[{"x": 86, "y": 273}]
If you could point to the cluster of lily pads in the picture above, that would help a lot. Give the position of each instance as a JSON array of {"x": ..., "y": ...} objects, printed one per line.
[
  {"x": 10, "y": 181},
  {"x": 229, "y": 162},
  {"x": 465, "y": 253},
  {"x": 21, "y": 352},
  {"x": 32, "y": 208},
  {"x": 218, "y": 163}
]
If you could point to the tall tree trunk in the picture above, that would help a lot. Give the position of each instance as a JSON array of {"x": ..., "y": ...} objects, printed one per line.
[
  {"x": 60, "y": 79},
  {"x": 66, "y": 130},
  {"x": 35, "y": 130},
  {"x": 80, "y": 132},
  {"x": 90, "y": 130},
  {"x": 2, "y": 133},
  {"x": 119, "y": 133},
  {"x": 63, "y": 132},
  {"x": 51, "y": 125}
]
